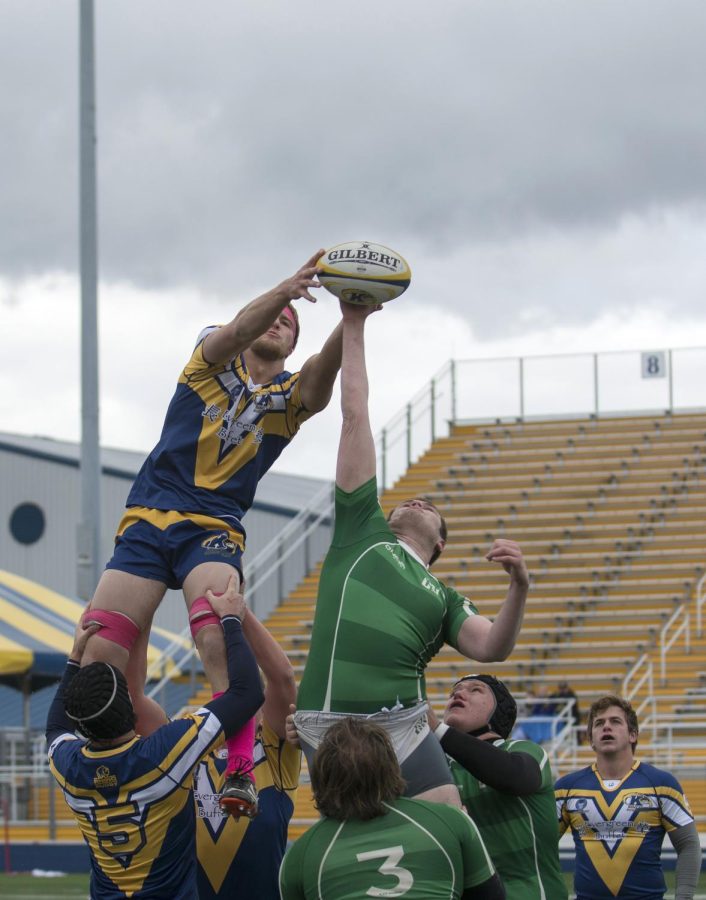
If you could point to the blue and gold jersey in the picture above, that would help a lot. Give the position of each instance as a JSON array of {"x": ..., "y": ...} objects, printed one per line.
[
  {"x": 239, "y": 858},
  {"x": 220, "y": 435},
  {"x": 134, "y": 806},
  {"x": 618, "y": 829}
]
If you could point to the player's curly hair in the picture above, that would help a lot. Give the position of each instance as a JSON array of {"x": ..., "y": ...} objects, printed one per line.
[
  {"x": 612, "y": 700},
  {"x": 355, "y": 771},
  {"x": 97, "y": 699}
]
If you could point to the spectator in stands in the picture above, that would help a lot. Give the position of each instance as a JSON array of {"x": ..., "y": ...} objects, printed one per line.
[
  {"x": 381, "y": 615},
  {"x": 618, "y": 810},
  {"x": 132, "y": 796},
  {"x": 240, "y": 859},
  {"x": 537, "y": 725},
  {"x": 373, "y": 842},
  {"x": 506, "y": 785}
]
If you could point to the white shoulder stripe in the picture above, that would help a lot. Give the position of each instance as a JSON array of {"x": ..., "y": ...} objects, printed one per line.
[
  {"x": 66, "y": 736},
  {"x": 323, "y": 860}
]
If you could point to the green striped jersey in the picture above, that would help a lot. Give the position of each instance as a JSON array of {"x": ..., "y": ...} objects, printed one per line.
[
  {"x": 380, "y": 615},
  {"x": 417, "y": 850},
  {"x": 520, "y": 833}
]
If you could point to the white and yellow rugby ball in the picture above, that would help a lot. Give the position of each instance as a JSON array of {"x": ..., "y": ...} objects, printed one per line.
[{"x": 364, "y": 273}]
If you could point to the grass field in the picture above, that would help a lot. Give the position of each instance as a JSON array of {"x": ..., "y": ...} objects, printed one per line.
[{"x": 76, "y": 886}]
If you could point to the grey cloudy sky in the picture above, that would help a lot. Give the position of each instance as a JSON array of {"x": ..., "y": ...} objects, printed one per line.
[{"x": 541, "y": 164}]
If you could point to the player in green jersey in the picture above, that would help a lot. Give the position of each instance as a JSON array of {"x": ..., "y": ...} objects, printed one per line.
[
  {"x": 372, "y": 841},
  {"x": 381, "y": 615},
  {"x": 507, "y": 787}
]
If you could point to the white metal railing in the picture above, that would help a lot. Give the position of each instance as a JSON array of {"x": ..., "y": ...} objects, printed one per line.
[
  {"x": 520, "y": 388},
  {"x": 22, "y": 747},
  {"x": 678, "y": 745},
  {"x": 641, "y": 674},
  {"x": 678, "y": 623},
  {"x": 700, "y": 599}
]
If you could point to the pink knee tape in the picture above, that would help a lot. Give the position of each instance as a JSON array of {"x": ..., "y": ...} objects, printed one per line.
[
  {"x": 200, "y": 615},
  {"x": 114, "y": 626}
]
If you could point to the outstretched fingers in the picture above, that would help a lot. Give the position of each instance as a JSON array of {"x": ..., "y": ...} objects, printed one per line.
[{"x": 508, "y": 554}]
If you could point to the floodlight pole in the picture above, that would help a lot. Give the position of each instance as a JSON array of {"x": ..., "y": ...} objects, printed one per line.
[{"x": 88, "y": 534}]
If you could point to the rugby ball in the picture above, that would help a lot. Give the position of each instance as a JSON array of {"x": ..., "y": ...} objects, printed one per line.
[{"x": 364, "y": 273}]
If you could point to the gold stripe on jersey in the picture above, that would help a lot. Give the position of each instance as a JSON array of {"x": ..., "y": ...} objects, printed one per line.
[
  {"x": 275, "y": 768},
  {"x": 162, "y": 519},
  {"x": 223, "y": 392},
  {"x": 126, "y": 835}
]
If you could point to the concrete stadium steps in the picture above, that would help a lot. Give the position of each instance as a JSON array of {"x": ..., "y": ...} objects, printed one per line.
[
  {"x": 40, "y": 831},
  {"x": 671, "y": 537},
  {"x": 611, "y": 515},
  {"x": 695, "y": 791},
  {"x": 39, "y": 803},
  {"x": 305, "y": 813}
]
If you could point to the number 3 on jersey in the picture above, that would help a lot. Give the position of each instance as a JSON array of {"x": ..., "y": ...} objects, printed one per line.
[{"x": 391, "y": 855}]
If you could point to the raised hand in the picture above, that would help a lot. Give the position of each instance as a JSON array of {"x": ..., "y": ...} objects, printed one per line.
[
  {"x": 303, "y": 280},
  {"x": 509, "y": 555}
]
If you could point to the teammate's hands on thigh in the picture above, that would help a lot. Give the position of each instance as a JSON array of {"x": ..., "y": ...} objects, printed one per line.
[{"x": 230, "y": 603}]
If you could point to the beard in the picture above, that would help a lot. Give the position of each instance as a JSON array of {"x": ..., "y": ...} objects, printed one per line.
[{"x": 269, "y": 349}]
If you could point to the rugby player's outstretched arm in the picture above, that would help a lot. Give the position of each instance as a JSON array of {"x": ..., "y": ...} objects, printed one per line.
[
  {"x": 356, "y": 450},
  {"x": 57, "y": 720},
  {"x": 487, "y": 641},
  {"x": 254, "y": 319},
  {"x": 243, "y": 696},
  {"x": 281, "y": 686},
  {"x": 318, "y": 374}
]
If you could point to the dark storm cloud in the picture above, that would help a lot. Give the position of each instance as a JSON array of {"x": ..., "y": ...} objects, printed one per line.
[{"x": 235, "y": 138}]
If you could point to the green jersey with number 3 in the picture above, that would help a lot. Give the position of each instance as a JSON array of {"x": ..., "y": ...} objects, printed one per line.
[{"x": 417, "y": 850}]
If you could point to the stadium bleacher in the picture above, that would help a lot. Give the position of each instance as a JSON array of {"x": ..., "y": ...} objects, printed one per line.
[{"x": 610, "y": 515}]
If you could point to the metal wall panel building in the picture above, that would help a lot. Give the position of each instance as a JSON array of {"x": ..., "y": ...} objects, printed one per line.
[{"x": 40, "y": 508}]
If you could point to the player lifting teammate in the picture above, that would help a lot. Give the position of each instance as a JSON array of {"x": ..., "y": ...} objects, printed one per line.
[
  {"x": 234, "y": 410},
  {"x": 132, "y": 796}
]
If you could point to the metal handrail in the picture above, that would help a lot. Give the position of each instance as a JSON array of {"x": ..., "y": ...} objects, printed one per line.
[
  {"x": 700, "y": 599},
  {"x": 666, "y": 643},
  {"x": 630, "y": 690}
]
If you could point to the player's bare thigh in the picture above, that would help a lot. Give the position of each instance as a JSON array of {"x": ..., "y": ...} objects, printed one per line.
[
  {"x": 131, "y": 595},
  {"x": 213, "y": 576}
]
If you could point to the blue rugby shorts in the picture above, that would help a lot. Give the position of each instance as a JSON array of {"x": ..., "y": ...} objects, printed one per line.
[{"x": 165, "y": 546}]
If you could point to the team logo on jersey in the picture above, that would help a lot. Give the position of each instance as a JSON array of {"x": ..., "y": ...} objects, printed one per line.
[
  {"x": 431, "y": 586},
  {"x": 219, "y": 543},
  {"x": 104, "y": 779},
  {"x": 640, "y": 801}
]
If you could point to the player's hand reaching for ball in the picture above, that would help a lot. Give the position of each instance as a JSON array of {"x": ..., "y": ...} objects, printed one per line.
[
  {"x": 303, "y": 280},
  {"x": 355, "y": 311},
  {"x": 509, "y": 555},
  {"x": 231, "y": 602}
]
